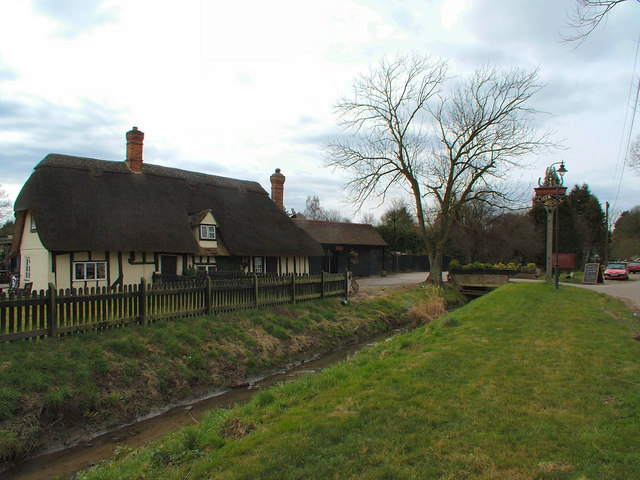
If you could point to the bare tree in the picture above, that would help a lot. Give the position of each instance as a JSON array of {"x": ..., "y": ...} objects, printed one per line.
[
  {"x": 6, "y": 210},
  {"x": 369, "y": 218},
  {"x": 336, "y": 216},
  {"x": 586, "y": 17},
  {"x": 634, "y": 156},
  {"x": 445, "y": 155},
  {"x": 313, "y": 210}
]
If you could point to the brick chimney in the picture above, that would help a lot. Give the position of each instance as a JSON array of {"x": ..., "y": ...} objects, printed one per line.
[
  {"x": 277, "y": 188},
  {"x": 134, "y": 150}
]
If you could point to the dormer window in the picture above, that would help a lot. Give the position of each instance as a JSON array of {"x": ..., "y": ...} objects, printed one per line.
[{"x": 208, "y": 232}]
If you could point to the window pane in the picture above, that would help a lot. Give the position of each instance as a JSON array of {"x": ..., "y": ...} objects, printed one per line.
[
  {"x": 102, "y": 270},
  {"x": 79, "y": 271},
  {"x": 207, "y": 232},
  {"x": 91, "y": 271}
]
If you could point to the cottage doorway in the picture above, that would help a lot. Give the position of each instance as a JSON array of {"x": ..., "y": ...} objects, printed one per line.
[
  {"x": 169, "y": 264},
  {"x": 330, "y": 263},
  {"x": 272, "y": 264}
]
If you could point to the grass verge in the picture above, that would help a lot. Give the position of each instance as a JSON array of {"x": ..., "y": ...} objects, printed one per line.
[
  {"x": 527, "y": 382},
  {"x": 58, "y": 391}
]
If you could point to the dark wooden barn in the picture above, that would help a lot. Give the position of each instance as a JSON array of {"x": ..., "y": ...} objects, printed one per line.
[{"x": 354, "y": 246}]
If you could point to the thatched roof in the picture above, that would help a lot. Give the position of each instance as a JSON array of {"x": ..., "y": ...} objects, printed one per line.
[
  {"x": 341, "y": 233},
  {"x": 84, "y": 204}
]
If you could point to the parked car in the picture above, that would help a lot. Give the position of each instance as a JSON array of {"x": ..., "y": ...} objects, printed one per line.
[
  {"x": 616, "y": 271},
  {"x": 634, "y": 267}
]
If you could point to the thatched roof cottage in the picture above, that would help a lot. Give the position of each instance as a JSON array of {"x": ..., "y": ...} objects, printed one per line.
[{"x": 87, "y": 222}]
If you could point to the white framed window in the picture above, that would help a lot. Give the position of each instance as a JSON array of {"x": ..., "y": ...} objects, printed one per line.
[
  {"x": 257, "y": 265},
  {"x": 208, "y": 232},
  {"x": 32, "y": 225},
  {"x": 27, "y": 268},
  {"x": 89, "y": 270}
]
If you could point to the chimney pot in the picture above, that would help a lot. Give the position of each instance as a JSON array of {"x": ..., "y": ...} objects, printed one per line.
[
  {"x": 277, "y": 188},
  {"x": 134, "y": 149}
]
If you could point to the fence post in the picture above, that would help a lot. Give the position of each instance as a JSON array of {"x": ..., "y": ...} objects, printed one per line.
[
  {"x": 322, "y": 285},
  {"x": 142, "y": 301},
  {"x": 255, "y": 282},
  {"x": 208, "y": 296},
  {"x": 346, "y": 284},
  {"x": 52, "y": 314},
  {"x": 293, "y": 288}
]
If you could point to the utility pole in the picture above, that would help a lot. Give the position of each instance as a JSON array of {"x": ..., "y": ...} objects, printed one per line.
[{"x": 606, "y": 239}]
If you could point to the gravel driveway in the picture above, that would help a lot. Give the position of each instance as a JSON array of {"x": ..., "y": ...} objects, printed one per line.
[
  {"x": 394, "y": 280},
  {"x": 627, "y": 291}
]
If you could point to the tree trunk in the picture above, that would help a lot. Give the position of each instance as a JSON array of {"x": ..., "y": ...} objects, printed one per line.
[{"x": 435, "y": 268}]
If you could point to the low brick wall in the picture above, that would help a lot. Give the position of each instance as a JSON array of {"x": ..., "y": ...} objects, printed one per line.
[{"x": 479, "y": 279}]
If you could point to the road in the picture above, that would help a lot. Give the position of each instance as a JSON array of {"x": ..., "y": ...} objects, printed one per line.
[{"x": 626, "y": 291}]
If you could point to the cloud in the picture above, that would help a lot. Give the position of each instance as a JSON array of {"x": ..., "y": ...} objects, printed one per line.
[
  {"x": 9, "y": 109},
  {"x": 75, "y": 17},
  {"x": 32, "y": 127},
  {"x": 450, "y": 12},
  {"x": 7, "y": 74},
  {"x": 240, "y": 88}
]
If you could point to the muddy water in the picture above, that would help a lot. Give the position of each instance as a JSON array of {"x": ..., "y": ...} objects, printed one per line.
[{"x": 63, "y": 464}]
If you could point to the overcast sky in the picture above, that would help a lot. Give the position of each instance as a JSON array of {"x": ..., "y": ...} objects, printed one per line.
[{"x": 241, "y": 88}]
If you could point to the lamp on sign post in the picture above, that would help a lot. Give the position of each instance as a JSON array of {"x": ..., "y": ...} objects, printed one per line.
[{"x": 550, "y": 193}]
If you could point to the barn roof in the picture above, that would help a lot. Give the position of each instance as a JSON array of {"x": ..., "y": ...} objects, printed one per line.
[
  {"x": 341, "y": 233},
  {"x": 85, "y": 204}
]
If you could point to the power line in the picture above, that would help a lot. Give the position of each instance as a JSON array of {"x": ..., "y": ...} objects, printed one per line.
[{"x": 624, "y": 151}]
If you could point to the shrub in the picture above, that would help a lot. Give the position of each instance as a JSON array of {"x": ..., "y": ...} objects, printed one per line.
[
  {"x": 454, "y": 265},
  {"x": 427, "y": 312},
  {"x": 479, "y": 267}
]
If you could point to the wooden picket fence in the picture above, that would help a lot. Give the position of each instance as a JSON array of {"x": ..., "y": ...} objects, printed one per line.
[{"x": 53, "y": 313}]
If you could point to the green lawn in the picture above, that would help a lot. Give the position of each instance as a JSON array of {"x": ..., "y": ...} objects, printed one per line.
[{"x": 524, "y": 383}]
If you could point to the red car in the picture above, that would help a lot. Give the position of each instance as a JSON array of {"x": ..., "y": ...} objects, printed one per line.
[
  {"x": 616, "y": 271},
  {"x": 633, "y": 267}
]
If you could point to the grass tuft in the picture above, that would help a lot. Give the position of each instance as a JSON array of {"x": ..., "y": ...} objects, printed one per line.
[
  {"x": 235, "y": 428},
  {"x": 427, "y": 311}
]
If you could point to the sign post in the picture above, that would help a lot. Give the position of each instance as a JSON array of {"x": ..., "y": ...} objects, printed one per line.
[{"x": 592, "y": 273}]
